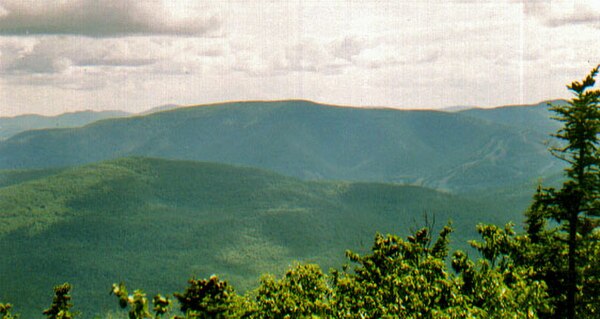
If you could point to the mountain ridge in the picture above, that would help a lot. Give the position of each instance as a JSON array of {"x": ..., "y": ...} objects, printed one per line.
[
  {"x": 443, "y": 150},
  {"x": 10, "y": 126}
]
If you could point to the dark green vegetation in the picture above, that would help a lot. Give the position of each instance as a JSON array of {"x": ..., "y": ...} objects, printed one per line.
[
  {"x": 10, "y": 126},
  {"x": 61, "y": 304},
  {"x": 574, "y": 242},
  {"x": 155, "y": 222},
  {"x": 397, "y": 279},
  {"x": 454, "y": 151}
]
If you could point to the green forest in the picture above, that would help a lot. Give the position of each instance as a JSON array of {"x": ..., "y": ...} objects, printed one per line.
[{"x": 547, "y": 268}]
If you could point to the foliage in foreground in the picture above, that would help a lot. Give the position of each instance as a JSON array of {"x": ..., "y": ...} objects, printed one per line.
[
  {"x": 398, "y": 279},
  {"x": 5, "y": 311},
  {"x": 573, "y": 242},
  {"x": 409, "y": 279}
]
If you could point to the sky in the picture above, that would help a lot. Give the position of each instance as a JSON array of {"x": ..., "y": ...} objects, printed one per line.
[{"x": 61, "y": 56}]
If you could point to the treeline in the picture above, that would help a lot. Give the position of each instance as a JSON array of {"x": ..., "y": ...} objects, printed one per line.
[
  {"x": 551, "y": 270},
  {"x": 398, "y": 278}
]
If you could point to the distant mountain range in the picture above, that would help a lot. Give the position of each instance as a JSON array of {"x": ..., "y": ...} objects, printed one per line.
[
  {"x": 10, "y": 126},
  {"x": 457, "y": 151},
  {"x": 162, "y": 108},
  {"x": 535, "y": 117}
]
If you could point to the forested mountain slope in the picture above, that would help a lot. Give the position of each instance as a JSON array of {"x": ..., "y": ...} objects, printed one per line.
[
  {"x": 454, "y": 151},
  {"x": 154, "y": 223}
]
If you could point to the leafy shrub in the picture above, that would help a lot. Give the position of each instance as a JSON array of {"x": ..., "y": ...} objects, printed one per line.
[
  {"x": 5, "y": 311},
  {"x": 61, "y": 304},
  {"x": 208, "y": 299},
  {"x": 303, "y": 292}
]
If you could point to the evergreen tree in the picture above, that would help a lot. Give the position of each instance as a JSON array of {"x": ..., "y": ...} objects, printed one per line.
[
  {"x": 61, "y": 304},
  {"x": 137, "y": 302},
  {"x": 572, "y": 246}
]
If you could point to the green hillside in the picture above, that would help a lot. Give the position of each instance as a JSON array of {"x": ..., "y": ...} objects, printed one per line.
[
  {"x": 451, "y": 151},
  {"x": 534, "y": 118},
  {"x": 11, "y": 177},
  {"x": 10, "y": 126},
  {"x": 154, "y": 223}
]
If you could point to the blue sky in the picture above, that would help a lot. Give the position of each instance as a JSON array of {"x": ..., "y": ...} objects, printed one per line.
[{"x": 62, "y": 56}]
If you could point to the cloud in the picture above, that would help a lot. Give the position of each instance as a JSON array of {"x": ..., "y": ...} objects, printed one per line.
[
  {"x": 348, "y": 47},
  {"x": 309, "y": 56},
  {"x": 83, "y": 63},
  {"x": 391, "y": 51},
  {"x": 57, "y": 54},
  {"x": 144, "y": 52},
  {"x": 562, "y": 13},
  {"x": 305, "y": 55},
  {"x": 328, "y": 56},
  {"x": 108, "y": 18}
]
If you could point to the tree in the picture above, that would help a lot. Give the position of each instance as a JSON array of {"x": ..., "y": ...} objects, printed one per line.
[
  {"x": 61, "y": 303},
  {"x": 399, "y": 278},
  {"x": 138, "y": 302},
  {"x": 575, "y": 207},
  {"x": 5, "y": 311},
  {"x": 499, "y": 284},
  {"x": 203, "y": 299},
  {"x": 409, "y": 279},
  {"x": 209, "y": 299},
  {"x": 303, "y": 292}
]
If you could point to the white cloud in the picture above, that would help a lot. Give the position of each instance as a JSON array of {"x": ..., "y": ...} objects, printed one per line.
[
  {"x": 560, "y": 13},
  {"x": 81, "y": 63},
  {"x": 348, "y": 47},
  {"x": 57, "y": 54},
  {"x": 137, "y": 54},
  {"x": 107, "y": 18},
  {"x": 308, "y": 56}
]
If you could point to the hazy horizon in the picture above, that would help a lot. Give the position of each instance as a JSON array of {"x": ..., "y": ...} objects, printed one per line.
[
  {"x": 59, "y": 57},
  {"x": 157, "y": 108}
]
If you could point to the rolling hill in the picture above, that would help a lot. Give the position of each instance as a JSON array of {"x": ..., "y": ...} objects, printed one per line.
[
  {"x": 459, "y": 151},
  {"x": 160, "y": 108},
  {"x": 532, "y": 118},
  {"x": 154, "y": 223}
]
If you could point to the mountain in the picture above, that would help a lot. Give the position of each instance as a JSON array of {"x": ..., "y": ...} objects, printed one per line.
[
  {"x": 533, "y": 118},
  {"x": 456, "y": 108},
  {"x": 161, "y": 108},
  {"x": 154, "y": 223},
  {"x": 460, "y": 151},
  {"x": 10, "y": 126}
]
